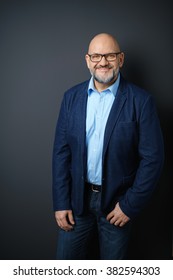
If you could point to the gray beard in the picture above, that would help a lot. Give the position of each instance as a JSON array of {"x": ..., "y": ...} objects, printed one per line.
[{"x": 106, "y": 80}]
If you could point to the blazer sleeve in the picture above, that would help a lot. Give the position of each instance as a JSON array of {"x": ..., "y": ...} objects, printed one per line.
[
  {"x": 61, "y": 162},
  {"x": 151, "y": 159}
]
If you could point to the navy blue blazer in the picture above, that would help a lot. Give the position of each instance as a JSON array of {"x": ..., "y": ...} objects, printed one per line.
[{"x": 133, "y": 152}]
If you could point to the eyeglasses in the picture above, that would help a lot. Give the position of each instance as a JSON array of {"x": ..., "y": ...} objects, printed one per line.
[{"x": 97, "y": 57}]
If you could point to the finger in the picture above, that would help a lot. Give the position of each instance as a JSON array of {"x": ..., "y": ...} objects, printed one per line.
[
  {"x": 117, "y": 222},
  {"x": 110, "y": 215},
  {"x": 65, "y": 225},
  {"x": 113, "y": 220},
  {"x": 66, "y": 228},
  {"x": 71, "y": 219},
  {"x": 122, "y": 224}
]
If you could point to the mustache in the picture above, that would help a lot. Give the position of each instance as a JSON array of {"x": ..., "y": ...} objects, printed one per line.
[{"x": 107, "y": 66}]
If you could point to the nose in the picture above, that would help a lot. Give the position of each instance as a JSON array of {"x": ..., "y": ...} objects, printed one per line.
[{"x": 103, "y": 61}]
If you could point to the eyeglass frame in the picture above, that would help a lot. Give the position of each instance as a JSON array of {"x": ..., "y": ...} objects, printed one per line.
[{"x": 103, "y": 55}]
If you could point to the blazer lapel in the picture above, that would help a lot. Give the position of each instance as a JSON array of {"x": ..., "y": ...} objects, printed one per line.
[
  {"x": 113, "y": 116},
  {"x": 82, "y": 122}
]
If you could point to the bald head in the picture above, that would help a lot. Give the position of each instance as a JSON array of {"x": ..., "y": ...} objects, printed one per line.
[{"x": 103, "y": 43}]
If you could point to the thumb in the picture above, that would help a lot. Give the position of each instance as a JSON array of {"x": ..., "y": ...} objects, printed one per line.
[{"x": 70, "y": 217}]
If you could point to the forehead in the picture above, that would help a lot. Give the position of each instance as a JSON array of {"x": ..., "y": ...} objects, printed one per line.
[{"x": 103, "y": 44}]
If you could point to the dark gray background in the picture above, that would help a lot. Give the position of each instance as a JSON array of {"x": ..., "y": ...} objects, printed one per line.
[{"x": 42, "y": 49}]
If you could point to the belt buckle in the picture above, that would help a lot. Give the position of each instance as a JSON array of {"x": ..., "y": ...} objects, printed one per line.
[{"x": 92, "y": 187}]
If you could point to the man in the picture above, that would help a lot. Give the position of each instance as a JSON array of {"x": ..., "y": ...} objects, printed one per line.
[{"x": 108, "y": 156}]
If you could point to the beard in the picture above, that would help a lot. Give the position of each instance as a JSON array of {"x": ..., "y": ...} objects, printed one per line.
[{"x": 108, "y": 78}]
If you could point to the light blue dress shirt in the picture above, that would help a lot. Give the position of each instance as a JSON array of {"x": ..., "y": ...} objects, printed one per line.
[{"x": 98, "y": 108}]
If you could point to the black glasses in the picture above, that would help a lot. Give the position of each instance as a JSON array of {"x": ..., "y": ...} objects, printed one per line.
[{"x": 97, "y": 57}]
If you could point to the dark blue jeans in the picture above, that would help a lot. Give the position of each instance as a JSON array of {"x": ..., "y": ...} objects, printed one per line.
[{"x": 113, "y": 240}]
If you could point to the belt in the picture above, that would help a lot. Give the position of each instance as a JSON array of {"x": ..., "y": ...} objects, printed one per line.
[{"x": 94, "y": 188}]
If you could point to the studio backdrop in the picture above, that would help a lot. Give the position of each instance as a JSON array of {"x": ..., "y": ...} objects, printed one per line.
[{"x": 42, "y": 50}]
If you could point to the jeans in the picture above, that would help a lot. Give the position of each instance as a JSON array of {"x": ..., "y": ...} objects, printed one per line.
[{"x": 113, "y": 240}]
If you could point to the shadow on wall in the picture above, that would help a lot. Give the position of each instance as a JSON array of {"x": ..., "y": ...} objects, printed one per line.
[{"x": 151, "y": 236}]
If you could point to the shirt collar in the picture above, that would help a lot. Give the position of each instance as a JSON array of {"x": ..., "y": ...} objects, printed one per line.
[{"x": 113, "y": 88}]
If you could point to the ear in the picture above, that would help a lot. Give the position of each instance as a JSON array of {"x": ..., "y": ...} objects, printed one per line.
[
  {"x": 87, "y": 60},
  {"x": 121, "y": 59}
]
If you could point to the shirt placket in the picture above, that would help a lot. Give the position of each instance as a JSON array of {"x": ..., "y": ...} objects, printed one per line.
[{"x": 96, "y": 152}]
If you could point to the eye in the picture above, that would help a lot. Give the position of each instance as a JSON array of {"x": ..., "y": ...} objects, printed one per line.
[
  {"x": 111, "y": 56},
  {"x": 95, "y": 57}
]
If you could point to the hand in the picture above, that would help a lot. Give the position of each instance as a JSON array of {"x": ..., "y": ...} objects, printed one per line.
[
  {"x": 117, "y": 217},
  {"x": 65, "y": 219}
]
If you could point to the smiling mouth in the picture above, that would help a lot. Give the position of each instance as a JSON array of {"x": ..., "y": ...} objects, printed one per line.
[{"x": 103, "y": 69}]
